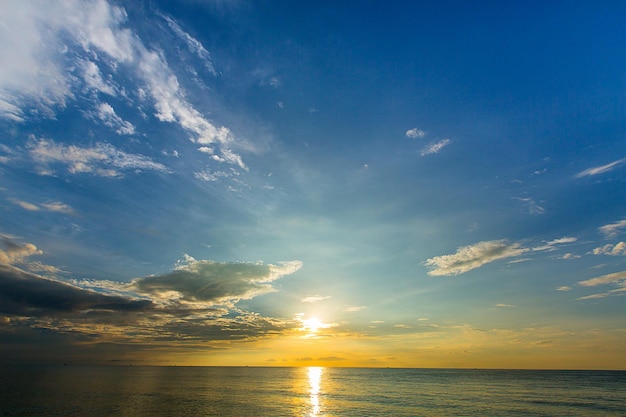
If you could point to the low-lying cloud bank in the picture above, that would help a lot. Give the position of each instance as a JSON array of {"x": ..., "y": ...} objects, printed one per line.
[{"x": 193, "y": 304}]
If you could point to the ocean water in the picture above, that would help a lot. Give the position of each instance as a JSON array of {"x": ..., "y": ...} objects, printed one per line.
[{"x": 313, "y": 392}]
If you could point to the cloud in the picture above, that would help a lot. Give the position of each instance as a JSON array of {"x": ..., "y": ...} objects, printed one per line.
[
  {"x": 59, "y": 207},
  {"x": 353, "y": 309},
  {"x": 212, "y": 283},
  {"x": 612, "y": 229},
  {"x": 560, "y": 241},
  {"x": 14, "y": 253},
  {"x": 192, "y": 43},
  {"x": 24, "y": 204},
  {"x": 415, "y": 133},
  {"x": 29, "y": 65},
  {"x": 315, "y": 298},
  {"x": 618, "y": 249},
  {"x": 25, "y": 294},
  {"x": 55, "y": 206},
  {"x": 207, "y": 175},
  {"x": 195, "y": 303},
  {"x": 501, "y": 305},
  {"x": 92, "y": 77},
  {"x": 564, "y": 288},
  {"x": 553, "y": 244},
  {"x": 103, "y": 159},
  {"x": 38, "y": 72},
  {"x": 531, "y": 206},
  {"x": 600, "y": 169},
  {"x": 473, "y": 256},
  {"x": 435, "y": 147},
  {"x": 111, "y": 119},
  {"x": 614, "y": 278}
]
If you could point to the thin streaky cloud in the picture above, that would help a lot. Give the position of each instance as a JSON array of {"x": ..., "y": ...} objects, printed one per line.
[
  {"x": 600, "y": 169},
  {"x": 103, "y": 159},
  {"x": 612, "y": 229},
  {"x": 24, "y": 204},
  {"x": 473, "y": 256},
  {"x": 435, "y": 147},
  {"x": 192, "y": 43},
  {"x": 315, "y": 298},
  {"x": 614, "y": 278}
]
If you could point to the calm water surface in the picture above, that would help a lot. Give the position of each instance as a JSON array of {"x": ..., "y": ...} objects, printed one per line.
[{"x": 313, "y": 392}]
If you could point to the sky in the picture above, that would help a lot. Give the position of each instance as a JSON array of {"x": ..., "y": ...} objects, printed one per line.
[{"x": 279, "y": 183}]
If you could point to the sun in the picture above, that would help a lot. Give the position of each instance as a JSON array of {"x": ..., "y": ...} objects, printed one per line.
[{"x": 312, "y": 325}]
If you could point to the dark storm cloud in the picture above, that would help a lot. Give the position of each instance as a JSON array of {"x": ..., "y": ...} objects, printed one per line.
[{"x": 25, "y": 294}]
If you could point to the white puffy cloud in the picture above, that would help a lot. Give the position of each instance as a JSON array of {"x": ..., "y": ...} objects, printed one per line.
[
  {"x": 415, "y": 133},
  {"x": 435, "y": 147},
  {"x": 14, "y": 253},
  {"x": 618, "y": 249},
  {"x": 612, "y": 229},
  {"x": 473, "y": 256}
]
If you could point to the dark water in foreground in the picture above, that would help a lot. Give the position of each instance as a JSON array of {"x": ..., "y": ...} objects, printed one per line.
[{"x": 216, "y": 391}]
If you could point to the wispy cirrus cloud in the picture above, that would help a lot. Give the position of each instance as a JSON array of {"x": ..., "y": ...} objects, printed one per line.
[
  {"x": 315, "y": 298},
  {"x": 192, "y": 43},
  {"x": 35, "y": 73},
  {"x": 617, "y": 278},
  {"x": 473, "y": 256},
  {"x": 470, "y": 257},
  {"x": 103, "y": 159},
  {"x": 55, "y": 206},
  {"x": 531, "y": 206},
  {"x": 435, "y": 147},
  {"x": 612, "y": 229},
  {"x": 600, "y": 169}
]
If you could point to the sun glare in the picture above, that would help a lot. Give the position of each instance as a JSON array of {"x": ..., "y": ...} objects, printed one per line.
[{"x": 312, "y": 325}]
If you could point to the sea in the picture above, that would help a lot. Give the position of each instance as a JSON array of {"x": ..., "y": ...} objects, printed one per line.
[{"x": 313, "y": 392}]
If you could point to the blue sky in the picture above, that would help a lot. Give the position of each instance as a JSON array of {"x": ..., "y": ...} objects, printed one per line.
[{"x": 286, "y": 183}]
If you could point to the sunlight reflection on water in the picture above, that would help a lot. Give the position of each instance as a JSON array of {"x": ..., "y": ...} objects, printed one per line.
[{"x": 315, "y": 377}]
